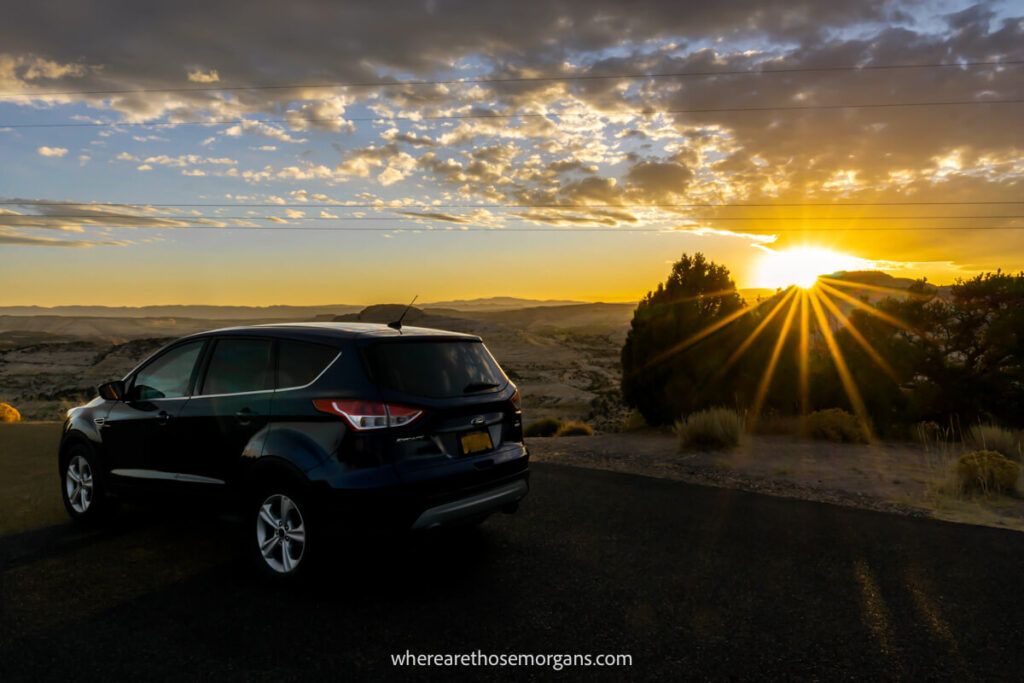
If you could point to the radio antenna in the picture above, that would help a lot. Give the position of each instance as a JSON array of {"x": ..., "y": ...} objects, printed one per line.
[{"x": 397, "y": 324}]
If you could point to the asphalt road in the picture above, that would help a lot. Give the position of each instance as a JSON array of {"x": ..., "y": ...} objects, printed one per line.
[{"x": 692, "y": 582}]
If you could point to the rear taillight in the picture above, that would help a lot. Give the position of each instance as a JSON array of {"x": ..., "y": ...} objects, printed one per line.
[
  {"x": 517, "y": 399},
  {"x": 366, "y": 415}
]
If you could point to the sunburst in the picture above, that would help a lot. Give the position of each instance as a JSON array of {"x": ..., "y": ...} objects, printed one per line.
[{"x": 813, "y": 309}]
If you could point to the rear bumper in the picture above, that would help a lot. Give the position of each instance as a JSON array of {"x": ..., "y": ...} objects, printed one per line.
[
  {"x": 480, "y": 503},
  {"x": 396, "y": 507}
]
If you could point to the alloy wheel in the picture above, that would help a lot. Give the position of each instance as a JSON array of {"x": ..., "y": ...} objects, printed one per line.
[
  {"x": 78, "y": 484},
  {"x": 281, "y": 533}
]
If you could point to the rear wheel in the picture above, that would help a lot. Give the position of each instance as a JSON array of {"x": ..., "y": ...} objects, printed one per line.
[
  {"x": 82, "y": 491},
  {"x": 279, "y": 528}
]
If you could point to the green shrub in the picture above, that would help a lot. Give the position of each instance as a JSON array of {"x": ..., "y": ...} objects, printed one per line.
[
  {"x": 835, "y": 424},
  {"x": 9, "y": 413},
  {"x": 547, "y": 426},
  {"x": 708, "y": 430},
  {"x": 986, "y": 472},
  {"x": 990, "y": 437},
  {"x": 575, "y": 428}
]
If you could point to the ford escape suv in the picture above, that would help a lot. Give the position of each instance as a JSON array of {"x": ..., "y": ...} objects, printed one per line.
[{"x": 313, "y": 428}]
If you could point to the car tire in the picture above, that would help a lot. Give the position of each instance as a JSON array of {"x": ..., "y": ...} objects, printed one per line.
[
  {"x": 81, "y": 486},
  {"x": 277, "y": 529}
]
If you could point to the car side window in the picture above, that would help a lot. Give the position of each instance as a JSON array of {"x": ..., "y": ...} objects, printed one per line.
[
  {"x": 299, "y": 363},
  {"x": 167, "y": 376},
  {"x": 239, "y": 365}
]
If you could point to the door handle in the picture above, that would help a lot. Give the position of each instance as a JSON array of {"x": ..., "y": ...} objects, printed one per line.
[
  {"x": 244, "y": 416},
  {"x": 163, "y": 417}
]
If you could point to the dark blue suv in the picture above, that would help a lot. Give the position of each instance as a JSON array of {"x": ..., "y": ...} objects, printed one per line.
[{"x": 312, "y": 428}]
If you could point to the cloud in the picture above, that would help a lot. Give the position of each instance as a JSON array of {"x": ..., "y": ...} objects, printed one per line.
[
  {"x": 200, "y": 76},
  {"x": 18, "y": 239},
  {"x": 45, "y": 151},
  {"x": 660, "y": 179},
  {"x": 65, "y": 216},
  {"x": 261, "y": 128},
  {"x": 611, "y": 147},
  {"x": 436, "y": 216}
]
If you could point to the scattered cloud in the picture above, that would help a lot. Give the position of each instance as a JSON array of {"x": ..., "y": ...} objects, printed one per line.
[
  {"x": 45, "y": 151},
  {"x": 200, "y": 76}
]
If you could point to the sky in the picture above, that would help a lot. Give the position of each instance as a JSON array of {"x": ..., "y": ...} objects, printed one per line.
[{"x": 318, "y": 152}]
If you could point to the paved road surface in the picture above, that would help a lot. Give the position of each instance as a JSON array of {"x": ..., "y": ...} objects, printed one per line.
[{"x": 690, "y": 581}]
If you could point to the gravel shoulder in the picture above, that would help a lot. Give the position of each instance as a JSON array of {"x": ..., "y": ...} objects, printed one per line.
[{"x": 899, "y": 478}]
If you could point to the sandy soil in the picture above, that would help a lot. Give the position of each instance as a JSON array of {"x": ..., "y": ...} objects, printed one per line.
[{"x": 892, "y": 477}]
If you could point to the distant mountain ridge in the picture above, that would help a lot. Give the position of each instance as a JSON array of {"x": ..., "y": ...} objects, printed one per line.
[
  {"x": 275, "y": 312},
  {"x": 496, "y": 303},
  {"x": 198, "y": 311}
]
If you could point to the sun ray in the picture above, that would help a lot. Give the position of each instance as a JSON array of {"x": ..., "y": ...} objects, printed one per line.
[
  {"x": 870, "y": 310},
  {"x": 704, "y": 333},
  {"x": 704, "y": 295},
  {"x": 752, "y": 337},
  {"x": 849, "y": 386},
  {"x": 803, "y": 360},
  {"x": 769, "y": 371},
  {"x": 858, "y": 337},
  {"x": 873, "y": 288}
]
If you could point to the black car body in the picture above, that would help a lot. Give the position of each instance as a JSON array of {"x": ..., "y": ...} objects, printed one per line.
[{"x": 362, "y": 425}]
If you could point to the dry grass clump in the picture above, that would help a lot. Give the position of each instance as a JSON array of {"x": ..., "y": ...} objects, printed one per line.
[
  {"x": 709, "y": 430},
  {"x": 9, "y": 413},
  {"x": 575, "y": 428},
  {"x": 544, "y": 427},
  {"x": 986, "y": 472},
  {"x": 634, "y": 422},
  {"x": 990, "y": 437},
  {"x": 835, "y": 424}
]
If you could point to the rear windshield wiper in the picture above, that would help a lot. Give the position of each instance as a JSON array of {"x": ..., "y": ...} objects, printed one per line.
[{"x": 473, "y": 387}]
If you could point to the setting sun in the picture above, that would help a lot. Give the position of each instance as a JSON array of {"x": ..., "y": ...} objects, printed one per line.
[{"x": 801, "y": 266}]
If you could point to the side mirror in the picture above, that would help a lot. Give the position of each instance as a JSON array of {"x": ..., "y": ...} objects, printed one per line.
[{"x": 113, "y": 391}]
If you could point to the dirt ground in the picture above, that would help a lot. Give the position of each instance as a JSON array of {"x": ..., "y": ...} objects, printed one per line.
[{"x": 895, "y": 477}]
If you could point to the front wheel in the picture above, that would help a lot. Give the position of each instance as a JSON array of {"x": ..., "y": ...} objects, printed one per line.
[
  {"x": 279, "y": 528},
  {"x": 82, "y": 492}
]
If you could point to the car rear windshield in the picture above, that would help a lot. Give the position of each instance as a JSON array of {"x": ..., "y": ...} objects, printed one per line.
[{"x": 435, "y": 369}]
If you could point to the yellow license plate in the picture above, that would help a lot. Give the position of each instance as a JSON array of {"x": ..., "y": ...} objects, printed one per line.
[{"x": 476, "y": 442}]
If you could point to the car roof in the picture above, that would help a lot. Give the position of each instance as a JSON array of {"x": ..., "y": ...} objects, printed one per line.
[{"x": 334, "y": 331}]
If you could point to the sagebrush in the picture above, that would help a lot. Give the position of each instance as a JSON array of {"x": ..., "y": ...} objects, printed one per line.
[
  {"x": 712, "y": 429},
  {"x": 575, "y": 428},
  {"x": 547, "y": 426},
  {"x": 835, "y": 424},
  {"x": 9, "y": 413},
  {"x": 986, "y": 472}
]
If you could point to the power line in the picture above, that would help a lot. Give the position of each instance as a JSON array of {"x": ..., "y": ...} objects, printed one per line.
[
  {"x": 417, "y": 216},
  {"x": 427, "y": 205},
  {"x": 519, "y": 79},
  {"x": 469, "y": 228},
  {"x": 516, "y": 115}
]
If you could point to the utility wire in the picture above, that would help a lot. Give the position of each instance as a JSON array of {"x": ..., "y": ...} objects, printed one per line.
[
  {"x": 426, "y": 205},
  {"x": 416, "y": 216},
  {"x": 515, "y": 115},
  {"x": 521, "y": 79},
  {"x": 470, "y": 228}
]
